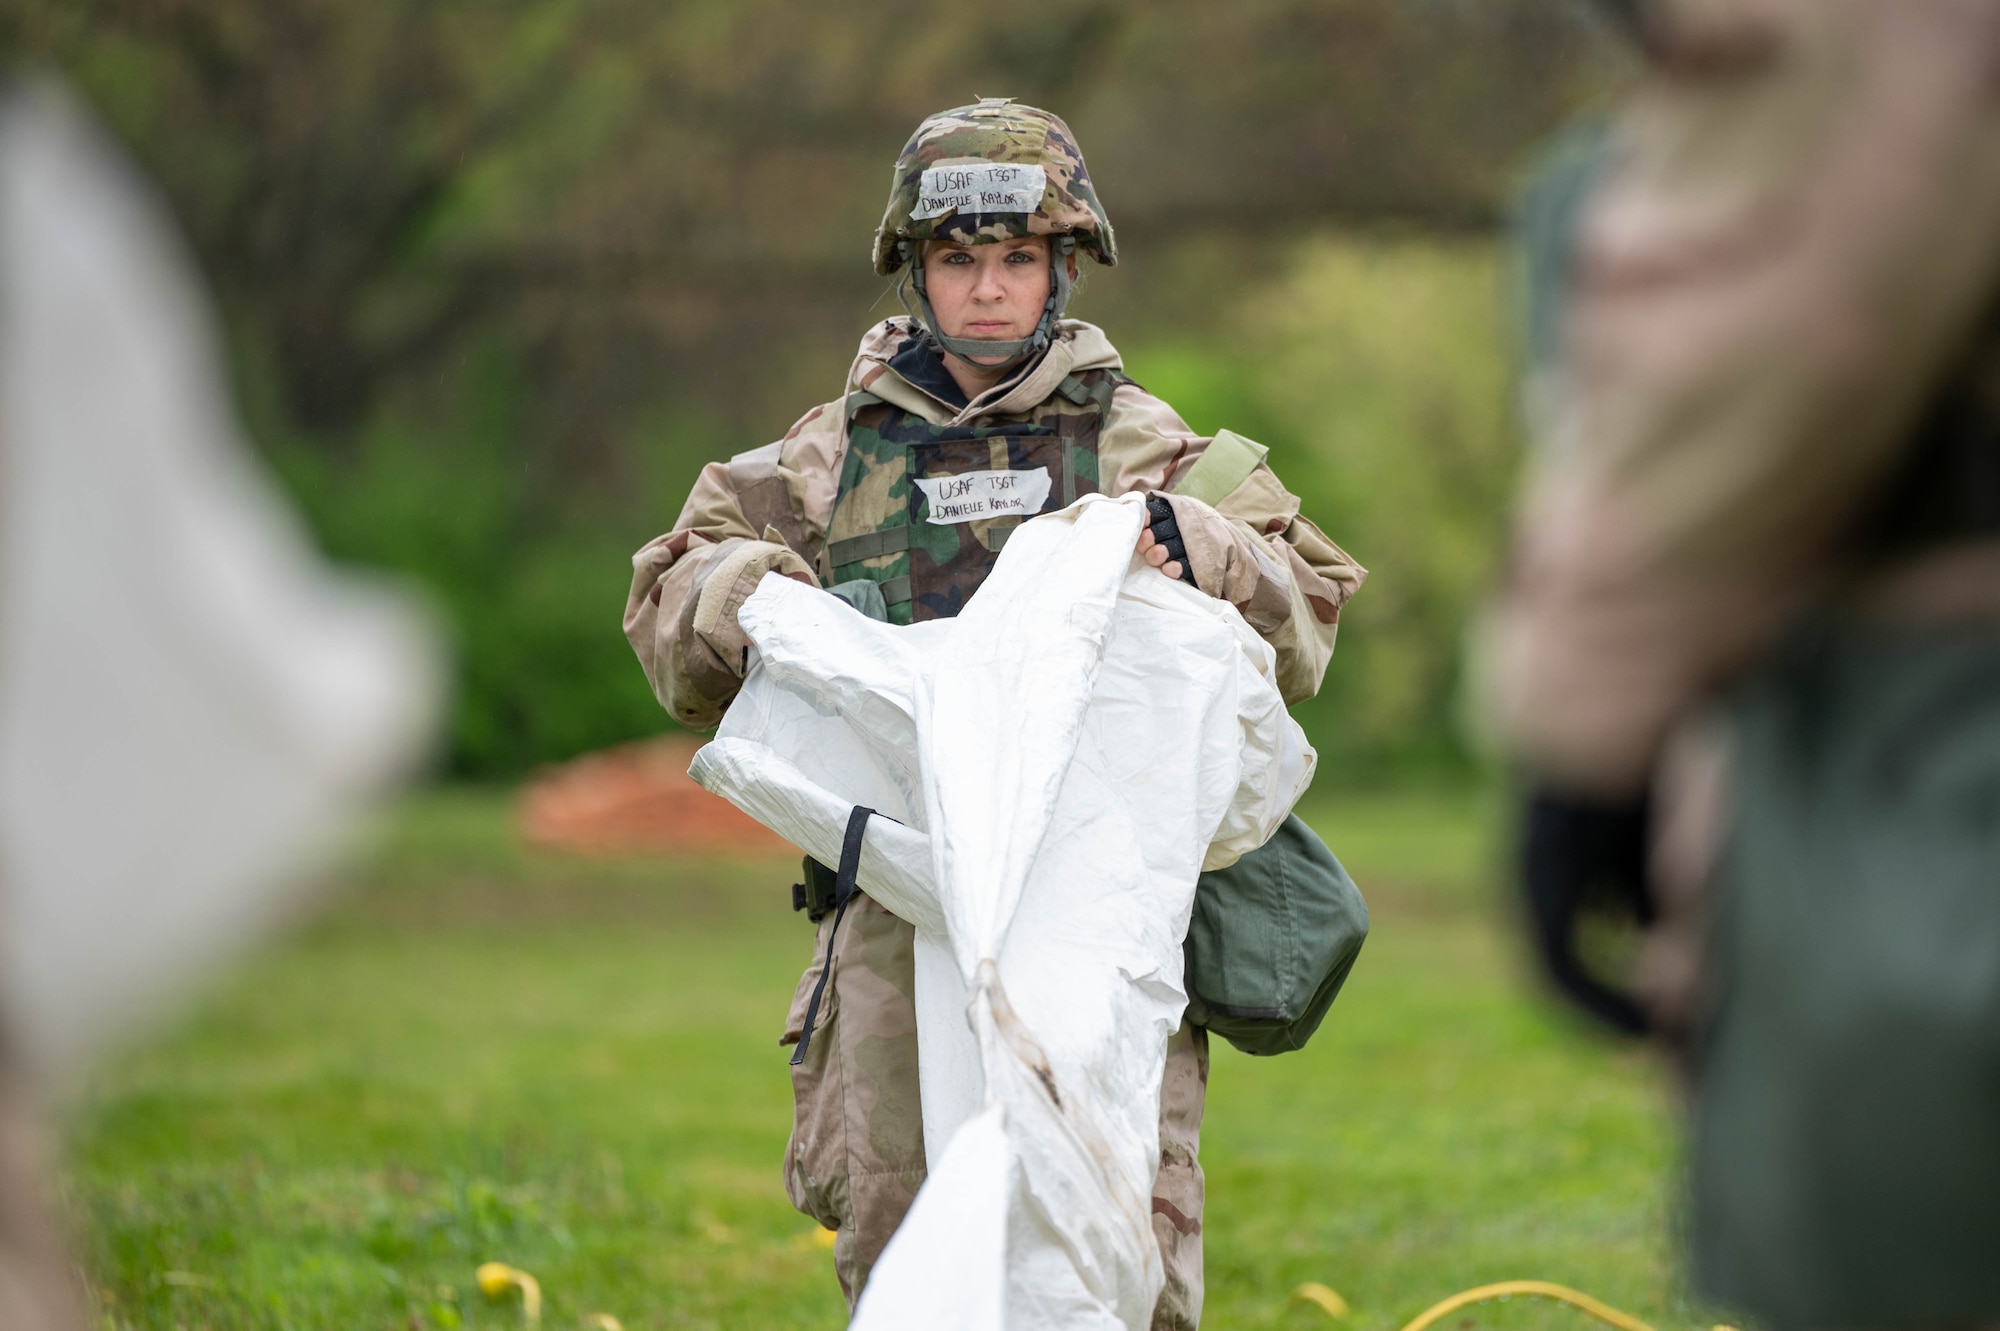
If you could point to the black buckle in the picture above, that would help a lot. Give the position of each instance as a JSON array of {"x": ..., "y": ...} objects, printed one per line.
[{"x": 820, "y": 891}]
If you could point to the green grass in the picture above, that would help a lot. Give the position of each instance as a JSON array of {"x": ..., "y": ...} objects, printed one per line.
[{"x": 481, "y": 1053}]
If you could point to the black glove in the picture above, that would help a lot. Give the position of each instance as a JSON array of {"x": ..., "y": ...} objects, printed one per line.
[
  {"x": 1160, "y": 517},
  {"x": 1586, "y": 858}
]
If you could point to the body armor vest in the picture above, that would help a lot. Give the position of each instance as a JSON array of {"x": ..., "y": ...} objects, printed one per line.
[{"x": 924, "y": 509}]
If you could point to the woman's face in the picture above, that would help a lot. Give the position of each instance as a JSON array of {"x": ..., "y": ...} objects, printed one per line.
[{"x": 992, "y": 293}]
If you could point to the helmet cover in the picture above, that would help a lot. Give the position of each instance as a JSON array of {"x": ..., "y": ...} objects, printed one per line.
[{"x": 992, "y": 171}]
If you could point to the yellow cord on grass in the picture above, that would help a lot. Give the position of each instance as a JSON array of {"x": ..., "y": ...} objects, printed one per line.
[
  {"x": 1576, "y": 1299},
  {"x": 1315, "y": 1293}
]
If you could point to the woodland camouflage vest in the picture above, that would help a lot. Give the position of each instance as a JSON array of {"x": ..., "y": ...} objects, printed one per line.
[{"x": 924, "y": 509}]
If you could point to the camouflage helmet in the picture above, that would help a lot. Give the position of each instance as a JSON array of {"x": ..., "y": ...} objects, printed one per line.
[{"x": 1017, "y": 157}]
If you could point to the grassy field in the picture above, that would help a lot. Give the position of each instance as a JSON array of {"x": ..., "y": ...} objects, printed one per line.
[{"x": 478, "y": 1052}]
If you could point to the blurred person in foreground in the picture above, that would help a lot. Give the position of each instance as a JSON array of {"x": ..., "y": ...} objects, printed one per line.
[
  {"x": 1748, "y": 644},
  {"x": 982, "y": 409},
  {"x": 191, "y": 705}
]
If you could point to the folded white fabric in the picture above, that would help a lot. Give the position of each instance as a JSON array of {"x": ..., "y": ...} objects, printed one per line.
[{"x": 1061, "y": 762}]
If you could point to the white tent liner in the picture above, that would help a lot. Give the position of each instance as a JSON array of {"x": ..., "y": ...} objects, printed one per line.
[{"x": 1060, "y": 762}]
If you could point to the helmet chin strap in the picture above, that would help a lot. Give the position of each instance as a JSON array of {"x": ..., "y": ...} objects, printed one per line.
[{"x": 1016, "y": 351}]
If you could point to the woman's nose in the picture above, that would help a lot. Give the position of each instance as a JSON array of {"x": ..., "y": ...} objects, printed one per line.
[{"x": 987, "y": 285}]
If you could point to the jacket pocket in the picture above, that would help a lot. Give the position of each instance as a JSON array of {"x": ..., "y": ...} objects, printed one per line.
[{"x": 816, "y": 1154}]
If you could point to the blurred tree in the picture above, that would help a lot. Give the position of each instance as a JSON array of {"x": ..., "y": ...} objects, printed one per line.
[
  {"x": 647, "y": 198},
  {"x": 569, "y": 249}
]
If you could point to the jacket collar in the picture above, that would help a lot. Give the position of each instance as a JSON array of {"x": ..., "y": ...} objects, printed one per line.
[{"x": 1079, "y": 346}]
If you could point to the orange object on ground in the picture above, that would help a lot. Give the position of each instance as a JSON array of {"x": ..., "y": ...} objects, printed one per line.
[{"x": 637, "y": 799}]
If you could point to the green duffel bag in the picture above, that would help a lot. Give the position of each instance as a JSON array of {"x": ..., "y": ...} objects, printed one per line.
[{"x": 1271, "y": 941}]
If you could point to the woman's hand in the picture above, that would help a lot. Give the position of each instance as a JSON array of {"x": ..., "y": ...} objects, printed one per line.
[
  {"x": 1160, "y": 541},
  {"x": 1156, "y": 554}
]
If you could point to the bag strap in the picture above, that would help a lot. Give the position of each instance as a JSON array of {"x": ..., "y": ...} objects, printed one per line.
[
  {"x": 1225, "y": 464},
  {"x": 843, "y": 892}
]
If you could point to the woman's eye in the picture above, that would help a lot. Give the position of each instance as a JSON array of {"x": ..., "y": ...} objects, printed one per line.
[
  {"x": 1020, "y": 256},
  {"x": 959, "y": 257}
]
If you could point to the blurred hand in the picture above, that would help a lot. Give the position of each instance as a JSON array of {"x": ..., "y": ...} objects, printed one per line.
[{"x": 1583, "y": 860}]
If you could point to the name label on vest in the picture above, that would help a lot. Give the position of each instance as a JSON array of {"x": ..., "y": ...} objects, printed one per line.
[
  {"x": 979, "y": 187},
  {"x": 971, "y": 495}
]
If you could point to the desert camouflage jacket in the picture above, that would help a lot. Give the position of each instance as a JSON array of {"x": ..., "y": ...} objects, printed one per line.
[
  {"x": 1795, "y": 243},
  {"x": 768, "y": 510}
]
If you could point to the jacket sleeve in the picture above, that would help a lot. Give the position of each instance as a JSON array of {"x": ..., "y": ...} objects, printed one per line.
[
  {"x": 759, "y": 512},
  {"x": 1794, "y": 239},
  {"x": 1252, "y": 547}
]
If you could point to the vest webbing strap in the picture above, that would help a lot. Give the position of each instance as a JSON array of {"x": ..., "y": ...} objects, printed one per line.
[
  {"x": 868, "y": 545},
  {"x": 843, "y": 893},
  {"x": 1224, "y": 465},
  {"x": 896, "y": 590}
]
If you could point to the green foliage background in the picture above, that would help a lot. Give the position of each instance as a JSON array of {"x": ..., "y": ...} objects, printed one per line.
[
  {"x": 1375, "y": 368},
  {"x": 500, "y": 276},
  {"x": 1378, "y": 371}
]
